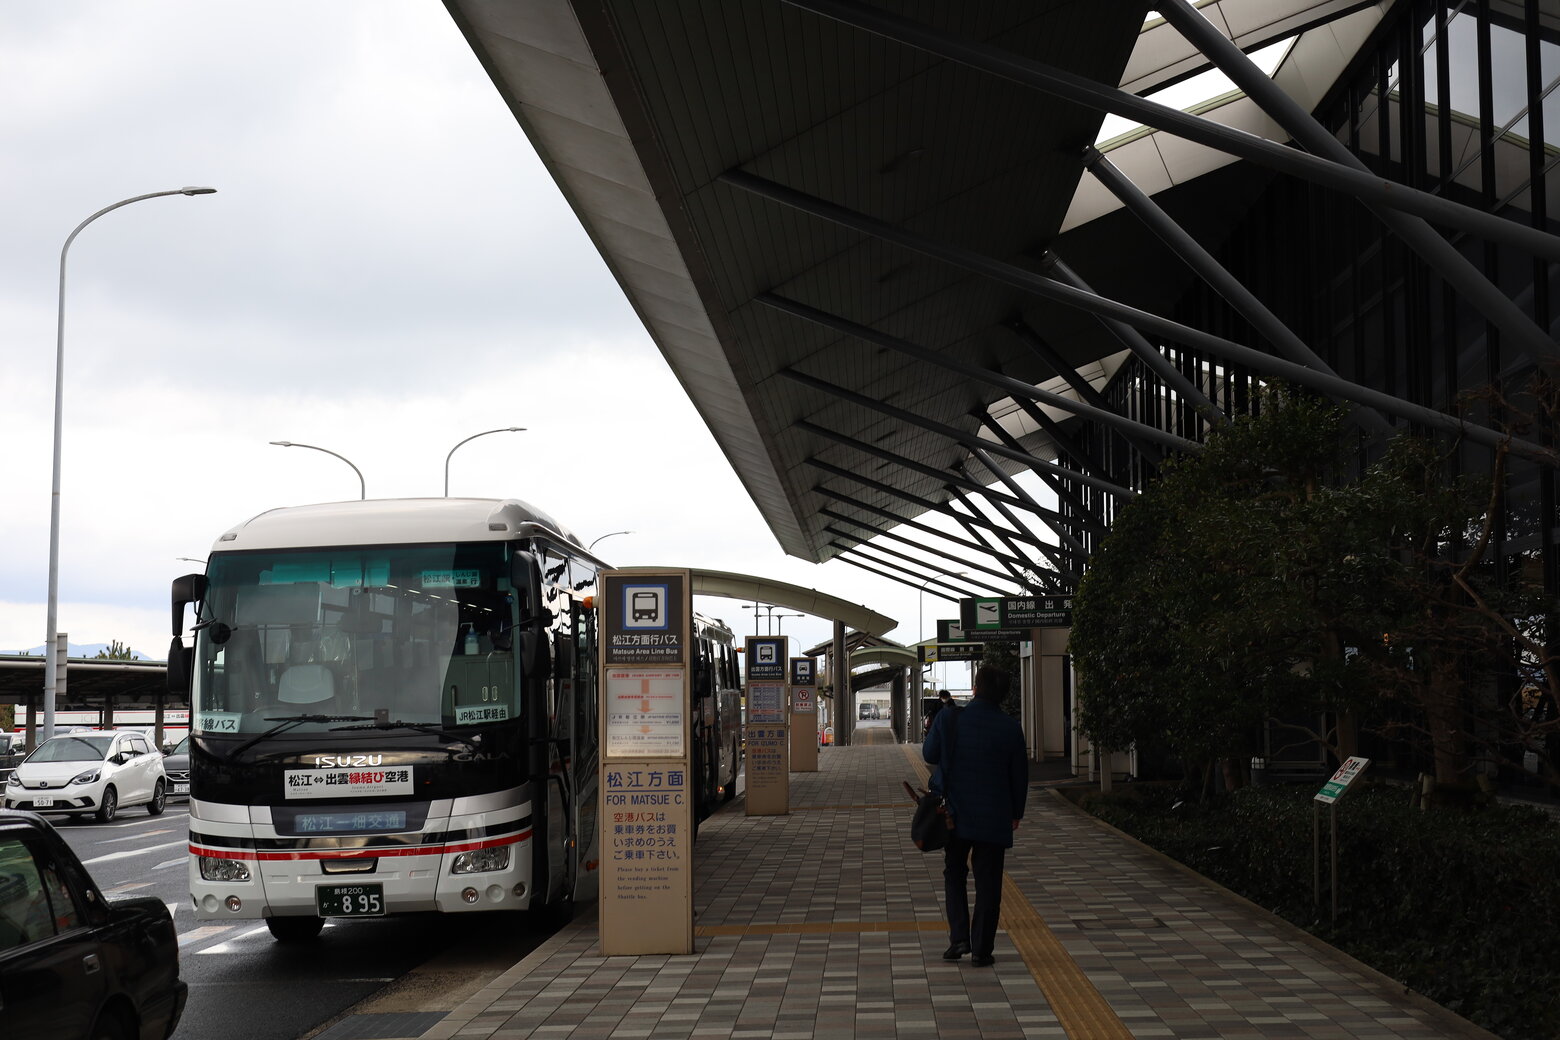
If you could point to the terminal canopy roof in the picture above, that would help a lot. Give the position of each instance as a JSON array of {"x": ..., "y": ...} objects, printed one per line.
[{"x": 665, "y": 123}]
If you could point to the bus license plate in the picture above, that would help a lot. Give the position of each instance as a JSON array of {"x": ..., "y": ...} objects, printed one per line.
[{"x": 350, "y": 900}]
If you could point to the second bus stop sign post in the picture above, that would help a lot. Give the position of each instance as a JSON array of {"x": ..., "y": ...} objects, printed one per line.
[
  {"x": 768, "y": 742},
  {"x": 646, "y": 813},
  {"x": 1335, "y": 788},
  {"x": 804, "y": 715}
]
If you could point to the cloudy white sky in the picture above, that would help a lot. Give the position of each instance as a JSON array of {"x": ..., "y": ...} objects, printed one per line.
[{"x": 385, "y": 269}]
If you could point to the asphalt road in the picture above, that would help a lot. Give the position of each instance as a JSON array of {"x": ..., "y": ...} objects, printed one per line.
[{"x": 244, "y": 984}]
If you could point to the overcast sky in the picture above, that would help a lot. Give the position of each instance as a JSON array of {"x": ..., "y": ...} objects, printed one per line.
[{"x": 385, "y": 269}]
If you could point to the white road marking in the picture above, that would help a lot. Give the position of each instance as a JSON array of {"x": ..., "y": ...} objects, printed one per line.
[
  {"x": 134, "y": 837},
  {"x": 227, "y": 946},
  {"x": 173, "y": 908},
  {"x": 83, "y": 828},
  {"x": 205, "y": 931},
  {"x": 132, "y": 852},
  {"x": 128, "y": 886},
  {"x": 181, "y": 861}
]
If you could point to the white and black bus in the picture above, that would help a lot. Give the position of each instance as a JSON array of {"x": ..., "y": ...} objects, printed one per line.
[{"x": 393, "y": 709}]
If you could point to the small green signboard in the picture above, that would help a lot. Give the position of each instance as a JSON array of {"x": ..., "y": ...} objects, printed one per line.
[{"x": 1338, "y": 785}]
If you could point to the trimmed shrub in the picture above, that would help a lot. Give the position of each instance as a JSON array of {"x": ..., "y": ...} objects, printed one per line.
[{"x": 1463, "y": 907}]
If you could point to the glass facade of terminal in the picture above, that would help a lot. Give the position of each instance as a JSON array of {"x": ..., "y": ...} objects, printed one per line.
[{"x": 1461, "y": 100}]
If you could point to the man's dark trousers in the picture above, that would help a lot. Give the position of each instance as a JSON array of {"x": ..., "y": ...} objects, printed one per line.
[{"x": 985, "y": 859}]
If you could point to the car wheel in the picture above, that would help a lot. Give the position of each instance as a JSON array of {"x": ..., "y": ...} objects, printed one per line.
[
  {"x": 294, "y": 929},
  {"x": 111, "y": 1026},
  {"x": 159, "y": 800},
  {"x": 110, "y": 807}
]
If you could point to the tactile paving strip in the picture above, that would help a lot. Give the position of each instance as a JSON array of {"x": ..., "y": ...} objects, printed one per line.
[{"x": 1081, "y": 1009}]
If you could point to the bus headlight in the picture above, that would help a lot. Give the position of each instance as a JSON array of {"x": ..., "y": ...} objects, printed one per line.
[
  {"x": 214, "y": 869},
  {"x": 496, "y": 858}
]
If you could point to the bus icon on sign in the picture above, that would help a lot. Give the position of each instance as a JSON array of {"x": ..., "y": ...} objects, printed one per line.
[
  {"x": 766, "y": 653},
  {"x": 644, "y": 606}
]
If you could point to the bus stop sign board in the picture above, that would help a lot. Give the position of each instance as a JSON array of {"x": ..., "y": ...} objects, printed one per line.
[{"x": 644, "y": 624}]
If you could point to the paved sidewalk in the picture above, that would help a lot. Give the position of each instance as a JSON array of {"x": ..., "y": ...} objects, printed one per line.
[{"x": 827, "y": 924}]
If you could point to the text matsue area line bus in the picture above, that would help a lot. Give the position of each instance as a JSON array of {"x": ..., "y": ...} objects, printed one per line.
[{"x": 393, "y": 710}]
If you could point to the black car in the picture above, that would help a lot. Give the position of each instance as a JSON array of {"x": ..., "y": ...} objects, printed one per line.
[
  {"x": 11, "y": 753},
  {"x": 72, "y": 964}
]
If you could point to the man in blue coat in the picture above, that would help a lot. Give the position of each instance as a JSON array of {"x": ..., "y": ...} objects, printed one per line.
[{"x": 983, "y": 775}]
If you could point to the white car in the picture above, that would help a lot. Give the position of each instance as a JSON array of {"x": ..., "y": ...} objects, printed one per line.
[{"x": 95, "y": 773}]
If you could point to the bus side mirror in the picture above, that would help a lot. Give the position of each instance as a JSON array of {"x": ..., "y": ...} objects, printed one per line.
[
  {"x": 181, "y": 661},
  {"x": 191, "y": 588}
]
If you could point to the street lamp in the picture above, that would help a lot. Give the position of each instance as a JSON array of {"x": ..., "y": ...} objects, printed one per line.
[
  {"x": 920, "y": 616},
  {"x": 779, "y": 620},
  {"x": 756, "y": 608},
  {"x": 592, "y": 545},
  {"x": 362, "y": 487},
  {"x": 484, "y": 433},
  {"x": 50, "y": 668}
]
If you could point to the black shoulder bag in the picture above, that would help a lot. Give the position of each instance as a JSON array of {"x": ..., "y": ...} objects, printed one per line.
[{"x": 930, "y": 826}]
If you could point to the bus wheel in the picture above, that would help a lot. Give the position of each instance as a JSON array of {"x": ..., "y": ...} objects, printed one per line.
[
  {"x": 294, "y": 929},
  {"x": 556, "y": 915}
]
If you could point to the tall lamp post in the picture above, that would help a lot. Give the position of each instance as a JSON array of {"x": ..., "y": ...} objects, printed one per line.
[
  {"x": 362, "y": 487},
  {"x": 50, "y": 666},
  {"x": 592, "y": 545},
  {"x": 484, "y": 433},
  {"x": 920, "y": 617},
  {"x": 779, "y": 620}
]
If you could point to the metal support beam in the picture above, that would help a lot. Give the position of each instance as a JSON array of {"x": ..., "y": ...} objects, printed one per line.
[
  {"x": 860, "y": 551},
  {"x": 930, "y": 579},
  {"x": 873, "y": 570},
  {"x": 895, "y": 536},
  {"x": 896, "y": 518},
  {"x": 1050, "y": 516},
  {"x": 950, "y": 476},
  {"x": 1007, "y": 384},
  {"x": 1085, "y": 92},
  {"x": 1086, "y": 516},
  {"x": 1084, "y": 389},
  {"x": 1072, "y": 543},
  {"x": 1056, "y": 556},
  {"x": 1018, "y": 571},
  {"x": 1173, "y": 330},
  {"x": 969, "y": 440},
  {"x": 1424, "y": 240},
  {"x": 1060, "y": 440},
  {"x": 1218, "y": 277}
]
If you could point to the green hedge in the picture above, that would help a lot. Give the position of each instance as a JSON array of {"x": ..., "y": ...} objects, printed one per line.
[{"x": 1463, "y": 907}]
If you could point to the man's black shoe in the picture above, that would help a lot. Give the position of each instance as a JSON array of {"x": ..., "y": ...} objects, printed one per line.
[
  {"x": 982, "y": 960},
  {"x": 957, "y": 950}
]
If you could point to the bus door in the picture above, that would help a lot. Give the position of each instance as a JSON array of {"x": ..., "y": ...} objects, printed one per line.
[
  {"x": 584, "y": 771},
  {"x": 560, "y": 759}
]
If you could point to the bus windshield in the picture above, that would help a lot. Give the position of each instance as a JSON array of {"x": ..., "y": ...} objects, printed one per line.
[{"x": 419, "y": 634}]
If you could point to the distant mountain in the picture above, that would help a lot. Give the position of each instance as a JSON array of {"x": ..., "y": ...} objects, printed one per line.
[{"x": 77, "y": 650}]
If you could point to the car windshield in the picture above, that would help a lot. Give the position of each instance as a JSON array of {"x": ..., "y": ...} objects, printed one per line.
[
  {"x": 182, "y": 747},
  {"x": 74, "y": 748},
  {"x": 319, "y": 638}
]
